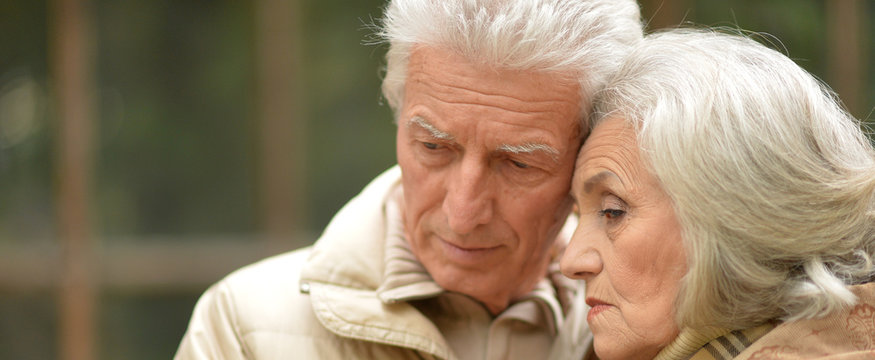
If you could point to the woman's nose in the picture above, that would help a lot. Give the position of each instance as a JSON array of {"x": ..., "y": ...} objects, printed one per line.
[{"x": 581, "y": 260}]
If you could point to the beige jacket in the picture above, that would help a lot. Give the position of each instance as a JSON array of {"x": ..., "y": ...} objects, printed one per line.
[{"x": 336, "y": 301}]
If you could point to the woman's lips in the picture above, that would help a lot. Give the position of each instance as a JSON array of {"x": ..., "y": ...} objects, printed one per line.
[{"x": 596, "y": 307}]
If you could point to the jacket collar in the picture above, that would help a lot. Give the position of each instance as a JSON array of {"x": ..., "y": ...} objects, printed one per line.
[
  {"x": 346, "y": 267},
  {"x": 349, "y": 253},
  {"x": 404, "y": 277}
]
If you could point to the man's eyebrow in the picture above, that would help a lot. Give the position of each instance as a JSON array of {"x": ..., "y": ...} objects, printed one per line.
[
  {"x": 530, "y": 148},
  {"x": 588, "y": 184},
  {"x": 437, "y": 134}
]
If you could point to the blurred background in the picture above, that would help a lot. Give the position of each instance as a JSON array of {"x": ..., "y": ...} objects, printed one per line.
[{"x": 149, "y": 147}]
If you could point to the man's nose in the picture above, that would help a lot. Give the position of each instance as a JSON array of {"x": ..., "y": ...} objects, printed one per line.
[
  {"x": 468, "y": 202},
  {"x": 581, "y": 260}
]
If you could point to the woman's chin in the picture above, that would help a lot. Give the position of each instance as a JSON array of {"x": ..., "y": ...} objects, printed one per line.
[{"x": 620, "y": 352}]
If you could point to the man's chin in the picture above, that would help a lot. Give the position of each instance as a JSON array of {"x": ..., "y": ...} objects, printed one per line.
[{"x": 492, "y": 293}]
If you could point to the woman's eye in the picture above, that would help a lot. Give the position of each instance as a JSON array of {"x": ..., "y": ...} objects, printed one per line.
[{"x": 612, "y": 214}]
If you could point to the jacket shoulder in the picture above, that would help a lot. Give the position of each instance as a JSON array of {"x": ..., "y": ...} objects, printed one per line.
[
  {"x": 257, "y": 311},
  {"x": 845, "y": 334},
  {"x": 266, "y": 296}
]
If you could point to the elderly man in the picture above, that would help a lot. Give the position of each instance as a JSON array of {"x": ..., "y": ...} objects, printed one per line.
[{"x": 451, "y": 254}]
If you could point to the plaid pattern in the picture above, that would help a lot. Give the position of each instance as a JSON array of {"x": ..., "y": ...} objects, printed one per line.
[{"x": 732, "y": 344}]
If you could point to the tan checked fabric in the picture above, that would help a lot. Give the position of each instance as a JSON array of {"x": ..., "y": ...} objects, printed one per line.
[{"x": 732, "y": 344}]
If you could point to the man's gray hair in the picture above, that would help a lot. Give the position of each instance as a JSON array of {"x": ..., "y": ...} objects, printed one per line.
[
  {"x": 583, "y": 39},
  {"x": 772, "y": 181}
]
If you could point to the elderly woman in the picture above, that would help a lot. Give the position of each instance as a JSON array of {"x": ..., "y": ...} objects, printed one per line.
[{"x": 727, "y": 210}]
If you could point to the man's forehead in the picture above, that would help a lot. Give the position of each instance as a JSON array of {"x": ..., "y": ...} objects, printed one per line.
[
  {"x": 434, "y": 65},
  {"x": 519, "y": 111}
]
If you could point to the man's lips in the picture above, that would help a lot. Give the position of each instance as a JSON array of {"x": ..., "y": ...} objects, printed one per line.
[
  {"x": 596, "y": 307},
  {"x": 470, "y": 247},
  {"x": 467, "y": 254},
  {"x": 467, "y": 244}
]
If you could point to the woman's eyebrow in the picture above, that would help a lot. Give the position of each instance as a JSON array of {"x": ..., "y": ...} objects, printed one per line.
[{"x": 596, "y": 179}]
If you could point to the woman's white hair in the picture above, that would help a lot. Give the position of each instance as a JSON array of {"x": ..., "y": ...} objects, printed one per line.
[
  {"x": 772, "y": 181},
  {"x": 583, "y": 39}
]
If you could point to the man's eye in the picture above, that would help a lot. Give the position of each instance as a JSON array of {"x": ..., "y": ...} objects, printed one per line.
[
  {"x": 520, "y": 165},
  {"x": 430, "y": 146},
  {"x": 612, "y": 214}
]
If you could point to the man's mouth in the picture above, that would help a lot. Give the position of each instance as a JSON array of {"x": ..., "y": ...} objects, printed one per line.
[{"x": 467, "y": 254}]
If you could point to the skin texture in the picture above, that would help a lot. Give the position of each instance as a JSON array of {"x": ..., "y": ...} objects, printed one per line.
[
  {"x": 627, "y": 247},
  {"x": 487, "y": 156}
]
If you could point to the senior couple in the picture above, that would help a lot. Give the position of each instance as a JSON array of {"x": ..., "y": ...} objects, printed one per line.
[{"x": 722, "y": 205}]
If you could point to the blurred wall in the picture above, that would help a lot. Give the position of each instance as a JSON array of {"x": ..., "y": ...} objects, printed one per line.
[{"x": 198, "y": 114}]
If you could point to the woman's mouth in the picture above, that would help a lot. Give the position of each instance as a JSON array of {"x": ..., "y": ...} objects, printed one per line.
[{"x": 596, "y": 307}]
